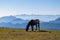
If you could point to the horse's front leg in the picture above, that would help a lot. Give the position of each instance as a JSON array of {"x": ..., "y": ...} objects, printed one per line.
[{"x": 27, "y": 27}]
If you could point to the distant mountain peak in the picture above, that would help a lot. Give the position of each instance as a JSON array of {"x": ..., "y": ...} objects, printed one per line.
[
  {"x": 58, "y": 18},
  {"x": 8, "y": 17}
]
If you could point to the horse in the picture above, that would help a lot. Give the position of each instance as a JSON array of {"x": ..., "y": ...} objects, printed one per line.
[{"x": 33, "y": 22}]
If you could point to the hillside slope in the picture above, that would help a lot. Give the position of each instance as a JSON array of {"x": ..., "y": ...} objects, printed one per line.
[{"x": 21, "y": 34}]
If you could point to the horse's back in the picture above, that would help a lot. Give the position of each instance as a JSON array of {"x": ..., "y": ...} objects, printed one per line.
[{"x": 34, "y": 22}]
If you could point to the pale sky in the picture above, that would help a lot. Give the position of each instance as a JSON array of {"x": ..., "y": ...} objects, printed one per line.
[{"x": 38, "y": 7}]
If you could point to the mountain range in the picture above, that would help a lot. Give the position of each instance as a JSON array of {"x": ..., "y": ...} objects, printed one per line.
[
  {"x": 55, "y": 24},
  {"x": 14, "y": 22},
  {"x": 45, "y": 18}
]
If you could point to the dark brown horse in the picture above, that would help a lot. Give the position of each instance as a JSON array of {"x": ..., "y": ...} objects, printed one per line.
[{"x": 32, "y": 23}]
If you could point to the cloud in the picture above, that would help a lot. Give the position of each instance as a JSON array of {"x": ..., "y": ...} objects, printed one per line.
[{"x": 7, "y": 12}]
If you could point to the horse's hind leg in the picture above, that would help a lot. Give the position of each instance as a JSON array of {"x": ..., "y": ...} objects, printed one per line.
[
  {"x": 32, "y": 27},
  {"x": 36, "y": 27},
  {"x": 39, "y": 28}
]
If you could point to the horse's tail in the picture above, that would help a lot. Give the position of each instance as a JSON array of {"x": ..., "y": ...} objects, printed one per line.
[{"x": 27, "y": 27}]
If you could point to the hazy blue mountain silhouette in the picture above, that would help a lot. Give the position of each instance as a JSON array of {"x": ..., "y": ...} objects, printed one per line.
[
  {"x": 10, "y": 19},
  {"x": 7, "y": 19},
  {"x": 56, "y": 21},
  {"x": 45, "y": 18},
  {"x": 52, "y": 24},
  {"x": 13, "y": 22}
]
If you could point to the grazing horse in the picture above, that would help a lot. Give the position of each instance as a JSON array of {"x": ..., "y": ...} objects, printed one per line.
[{"x": 32, "y": 23}]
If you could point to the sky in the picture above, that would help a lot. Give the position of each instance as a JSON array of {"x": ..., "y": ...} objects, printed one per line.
[{"x": 37, "y": 7}]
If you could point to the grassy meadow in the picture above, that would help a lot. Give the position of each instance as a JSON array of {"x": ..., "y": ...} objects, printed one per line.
[{"x": 21, "y": 34}]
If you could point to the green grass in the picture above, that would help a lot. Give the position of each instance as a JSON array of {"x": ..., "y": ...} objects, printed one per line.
[{"x": 21, "y": 34}]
